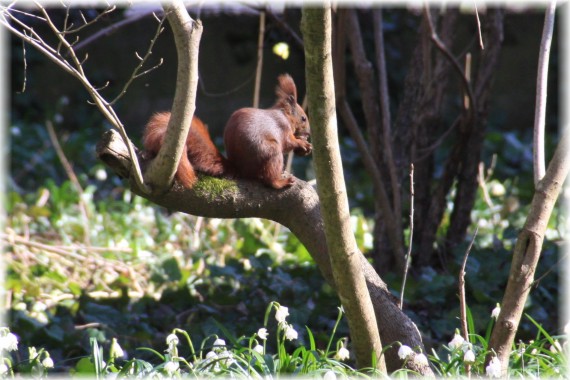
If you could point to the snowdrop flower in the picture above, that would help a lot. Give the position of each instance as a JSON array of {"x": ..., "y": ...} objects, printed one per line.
[
  {"x": 47, "y": 362},
  {"x": 342, "y": 354},
  {"x": 9, "y": 342},
  {"x": 456, "y": 342},
  {"x": 329, "y": 375},
  {"x": 171, "y": 367},
  {"x": 469, "y": 357},
  {"x": 421, "y": 359},
  {"x": 494, "y": 368},
  {"x": 116, "y": 351},
  {"x": 258, "y": 349},
  {"x": 556, "y": 347},
  {"x": 290, "y": 333},
  {"x": 404, "y": 352},
  {"x": 262, "y": 333},
  {"x": 496, "y": 311},
  {"x": 218, "y": 343},
  {"x": 211, "y": 355},
  {"x": 281, "y": 313},
  {"x": 227, "y": 357},
  {"x": 4, "y": 369}
]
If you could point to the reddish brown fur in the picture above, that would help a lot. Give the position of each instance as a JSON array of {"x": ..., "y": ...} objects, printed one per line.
[
  {"x": 256, "y": 139},
  {"x": 200, "y": 153}
]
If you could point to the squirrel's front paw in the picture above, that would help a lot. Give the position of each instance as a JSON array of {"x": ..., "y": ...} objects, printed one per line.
[{"x": 305, "y": 149}]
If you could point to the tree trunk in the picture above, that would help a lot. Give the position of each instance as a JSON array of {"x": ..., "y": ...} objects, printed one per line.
[
  {"x": 341, "y": 244},
  {"x": 527, "y": 252},
  {"x": 187, "y": 34}
]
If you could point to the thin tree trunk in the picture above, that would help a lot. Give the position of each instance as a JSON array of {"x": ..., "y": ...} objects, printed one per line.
[
  {"x": 474, "y": 137},
  {"x": 345, "y": 262},
  {"x": 390, "y": 219},
  {"x": 187, "y": 34},
  {"x": 527, "y": 252}
]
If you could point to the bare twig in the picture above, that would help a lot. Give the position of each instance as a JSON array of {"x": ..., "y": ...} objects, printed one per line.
[
  {"x": 541, "y": 92},
  {"x": 259, "y": 66},
  {"x": 481, "y": 180},
  {"x": 409, "y": 253},
  {"x": 113, "y": 28},
  {"x": 71, "y": 30},
  {"x": 479, "y": 26},
  {"x": 441, "y": 47},
  {"x": 136, "y": 72},
  {"x": 25, "y": 79},
  {"x": 462, "y": 302},
  {"x": 73, "y": 178}
]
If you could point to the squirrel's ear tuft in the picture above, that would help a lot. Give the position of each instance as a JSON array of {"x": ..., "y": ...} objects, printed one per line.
[{"x": 286, "y": 90}]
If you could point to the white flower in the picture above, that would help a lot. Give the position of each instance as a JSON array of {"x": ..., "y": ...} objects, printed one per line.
[
  {"x": 497, "y": 189},
  {"x": 172, "y": 339},
  {"x": 456, "y": 342},
  {"x": 342, "y": 354},
  {"x": 3, "y": 369},
  {"x": 219, "y": 343},
  {"x": 469, "y": 357},
  {"x": 494, "y": 368},
  {"x": 329, "y": 375},
  {"x": 211, "y": 355},
  {"x": 227, "y": 357},
  {"x": 290, "y": 333},
  {"x": 262, "y": 333},
  {"x": 101, "y": 174},
  {"x": 9, "y": 342},
  {"x": 47, "y": 362},
  {"x": 116, "y": 351},
  {"x": 421, "y": 359},
  {"x": 404, "y": 351},
  {"x": 281, "y": 314},
  {"x": 171, "y": 367},
  {"x": 258, "y": 349},
  {"x": 496, "y": 311},
  {"x": 556, "y": 347}
]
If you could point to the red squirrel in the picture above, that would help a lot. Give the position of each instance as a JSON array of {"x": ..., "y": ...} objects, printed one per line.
[
  {"x": 256, "y": 139},
  {"x": 200, "y": 153}
]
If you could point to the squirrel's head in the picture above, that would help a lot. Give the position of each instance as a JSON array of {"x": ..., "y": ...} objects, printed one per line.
[{"x": 286, "y": 92}]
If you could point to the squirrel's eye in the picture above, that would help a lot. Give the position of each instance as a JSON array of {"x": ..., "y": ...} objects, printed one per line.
[{"x": 303, "y": 119}]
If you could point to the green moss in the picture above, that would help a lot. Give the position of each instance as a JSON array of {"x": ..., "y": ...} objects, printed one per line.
[{"x": 213, "y": 187}]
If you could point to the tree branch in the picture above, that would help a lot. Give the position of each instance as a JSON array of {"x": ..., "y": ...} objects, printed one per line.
[
  {"x": 527, "y": 252},
  {"x": 187, "y": 34},
  {"x": 28, "y": 35},
  {"x": 541, "y": 92}
]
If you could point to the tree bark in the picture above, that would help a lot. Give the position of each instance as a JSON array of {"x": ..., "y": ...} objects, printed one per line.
[
  {"x": 527, "y": 252},
  {"x": 473, "y": 138},
  {"x": 187, "y": 34},
  {"x": 297, "y": 208},
  {"x": 347, "y": 272}
]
